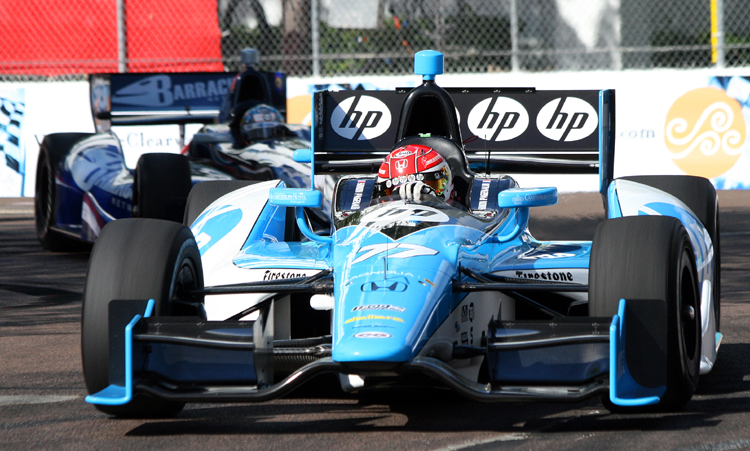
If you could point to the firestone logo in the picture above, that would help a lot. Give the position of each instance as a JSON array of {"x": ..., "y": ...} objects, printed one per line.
[{"x": 705, "y": 132}]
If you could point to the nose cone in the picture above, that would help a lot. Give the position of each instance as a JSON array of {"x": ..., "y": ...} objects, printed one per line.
[
  {"x": 383, "y": 318},
  {"x": 375, "y": 344},
  {"x": 388, "y": 295},
  {"x": 375, "y": 319}
]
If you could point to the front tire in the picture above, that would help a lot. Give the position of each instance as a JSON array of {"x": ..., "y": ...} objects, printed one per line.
[
  {"x": 699, "y": 195},
  {"x": 136, "y": 259},
  {"x": 651, "y": 257}
]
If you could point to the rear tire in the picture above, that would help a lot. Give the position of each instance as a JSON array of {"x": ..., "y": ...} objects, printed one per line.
[
  {"x": 699, "y": 195},
  {"x": 53, "y": 149},
  {"x": 651, "y": 257},
  {"x": 161, "y": 186},
  {"x": 204, "y": 193},
  {"x": 136, "y": 259}
]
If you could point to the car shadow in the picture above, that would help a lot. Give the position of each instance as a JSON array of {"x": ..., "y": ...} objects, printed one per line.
[{"x": 422, "y": 409}]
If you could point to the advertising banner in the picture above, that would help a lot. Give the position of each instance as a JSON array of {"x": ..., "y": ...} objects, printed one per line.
[
  {"x": 12, "y": 153},
  {"x": 706, "y": 132}
]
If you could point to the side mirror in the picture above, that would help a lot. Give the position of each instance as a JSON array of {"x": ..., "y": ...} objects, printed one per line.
[
  {"x": 527, "y": 197},
  {"x": 295, "y": 197}
]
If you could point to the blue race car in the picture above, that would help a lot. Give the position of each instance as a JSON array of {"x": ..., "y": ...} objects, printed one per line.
[
  {"x": 83, "y": 181},
  {"x": 430, "y": 276}
]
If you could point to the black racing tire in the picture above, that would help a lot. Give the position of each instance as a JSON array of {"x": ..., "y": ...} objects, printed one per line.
[
  {"x": 651, "y": 257},
  {"x": 161, "y": 185},
  {"x": 52, "y": 151},
  {"x": 136, "y": 259},
  {"x": 204, "y": 193},
  {"x": 699, "y": 195}
]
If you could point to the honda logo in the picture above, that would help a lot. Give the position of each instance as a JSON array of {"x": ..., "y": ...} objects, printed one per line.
[{"x": 385, "y": 286}]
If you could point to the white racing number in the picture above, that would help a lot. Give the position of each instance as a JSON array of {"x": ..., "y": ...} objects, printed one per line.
[
  {"x": 548, "y": 256},
  {"x": 360, "y": 118},
  {"x": 567, "y": 119},
  {"x": 404, "y": 213},
  {"x": 393, "y": 250}
]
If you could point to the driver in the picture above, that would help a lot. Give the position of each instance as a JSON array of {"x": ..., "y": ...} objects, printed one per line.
[
  {"x": 414, "y": 172},
  {"x": 260, "y": 122}
]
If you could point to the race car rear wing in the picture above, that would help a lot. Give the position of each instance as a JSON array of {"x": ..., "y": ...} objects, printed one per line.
[
  {"x": 157, "y": 98},
  {"x": 508, "y": 130}
]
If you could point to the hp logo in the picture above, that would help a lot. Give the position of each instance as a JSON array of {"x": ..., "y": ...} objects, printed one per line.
[
  {"x": 498, "y": 119},
  {"x": 567, "y": 119},
  {"x": 360, "y": 118}
]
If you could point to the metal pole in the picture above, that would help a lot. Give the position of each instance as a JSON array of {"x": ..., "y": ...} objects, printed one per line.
[
  {"x": 121, "y": 43},
  {"x": 717, "y": 33},
  {"x": 617, "y": 40},
  {"x": 514, "y": 65},
  {"x": 315, "y": 31}
]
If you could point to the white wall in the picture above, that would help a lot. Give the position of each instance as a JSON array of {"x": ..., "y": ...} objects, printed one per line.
[{"x": 646, "y": 103}]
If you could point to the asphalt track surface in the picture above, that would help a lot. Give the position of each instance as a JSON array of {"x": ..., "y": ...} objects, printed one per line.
[{"x": 42, "y": 388}]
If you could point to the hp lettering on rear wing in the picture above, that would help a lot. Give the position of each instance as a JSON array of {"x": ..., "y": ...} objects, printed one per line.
[{"x": 502, "y": 130}]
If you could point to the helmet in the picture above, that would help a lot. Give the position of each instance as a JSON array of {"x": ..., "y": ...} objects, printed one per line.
[
  {"x": 415, "y": 162},
  {"x": 260, "y": 122}
]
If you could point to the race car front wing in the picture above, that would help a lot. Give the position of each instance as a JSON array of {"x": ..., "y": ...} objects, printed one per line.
[{"x": 563, "y": 359}]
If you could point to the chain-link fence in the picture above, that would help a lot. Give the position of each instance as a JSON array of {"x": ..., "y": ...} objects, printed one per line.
[{"x": 70, "y": 38}]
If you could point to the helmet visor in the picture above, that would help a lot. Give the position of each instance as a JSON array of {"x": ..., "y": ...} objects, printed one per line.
[{"x": 438, "y": 180}]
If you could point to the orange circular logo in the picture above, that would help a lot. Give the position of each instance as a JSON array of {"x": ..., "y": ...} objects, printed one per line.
[
  {"x": 298, "y": 110},
  {"x": 705, "y": 132}
]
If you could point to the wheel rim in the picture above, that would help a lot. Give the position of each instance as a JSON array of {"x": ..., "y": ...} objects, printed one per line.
[{"x": 185, "y": 280}]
